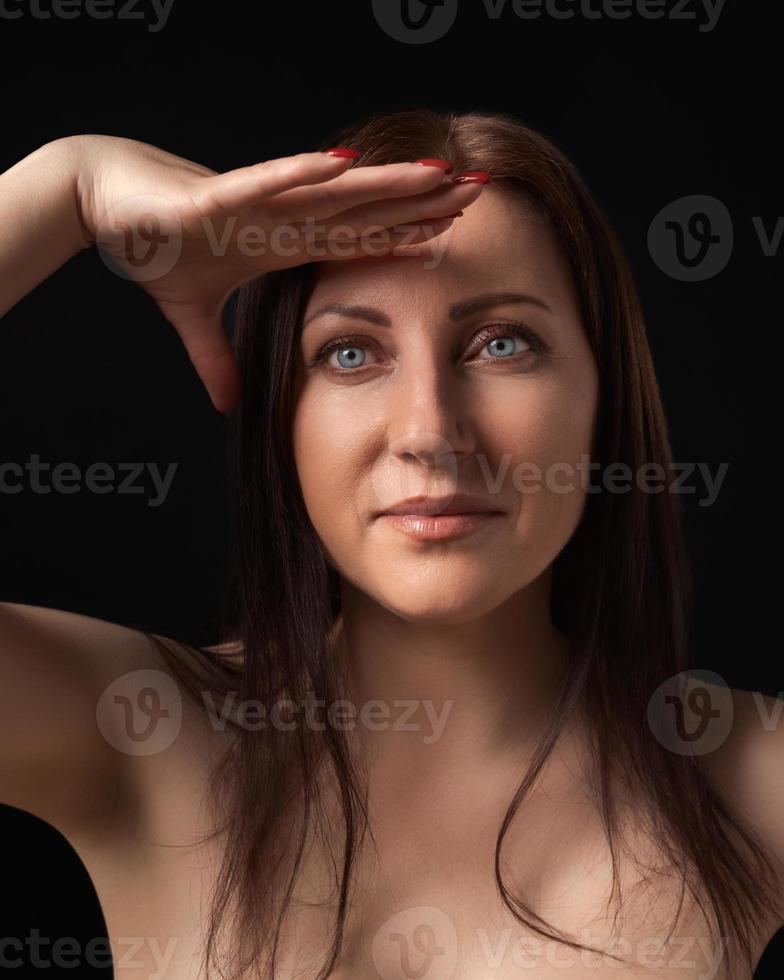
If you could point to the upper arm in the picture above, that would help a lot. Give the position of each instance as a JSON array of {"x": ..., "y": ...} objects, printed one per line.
[{"x": 55, "y": 760}]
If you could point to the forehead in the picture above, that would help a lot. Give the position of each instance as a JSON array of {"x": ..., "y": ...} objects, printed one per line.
[{"x": 500, "y": 242}]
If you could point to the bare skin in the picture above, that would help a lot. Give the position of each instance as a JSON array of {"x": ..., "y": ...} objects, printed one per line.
[{"x": 436, "y": 623}]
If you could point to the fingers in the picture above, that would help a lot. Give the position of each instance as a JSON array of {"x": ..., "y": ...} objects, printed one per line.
[
  {"x": 212, "y": 356},
  {"x": 317, "y": 184},
  {"x": 355, "y": 187},
  {"x": 402, "y": 211},
  {"x": 245, "y": 186}
]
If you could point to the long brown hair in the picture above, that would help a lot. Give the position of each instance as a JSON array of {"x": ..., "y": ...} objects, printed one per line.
[{"x": 621, "y": 587}]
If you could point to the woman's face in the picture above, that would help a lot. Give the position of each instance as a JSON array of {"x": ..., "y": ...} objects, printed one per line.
[{"x": 436, "y": 400}]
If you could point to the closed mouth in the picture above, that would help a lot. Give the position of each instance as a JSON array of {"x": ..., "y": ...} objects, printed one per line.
[{"x": 452, "y": 506}]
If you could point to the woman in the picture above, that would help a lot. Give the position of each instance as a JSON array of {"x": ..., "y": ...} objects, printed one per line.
[{"x": 444, "y": 735}]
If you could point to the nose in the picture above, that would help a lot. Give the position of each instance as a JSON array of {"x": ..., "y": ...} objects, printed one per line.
[{"x": 430, "y": 421}]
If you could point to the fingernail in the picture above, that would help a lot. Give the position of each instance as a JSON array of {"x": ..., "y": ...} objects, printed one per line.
[
  {"x": 480, "y": 176},
  {"x": 445, "y": 165},
  {"x": 457, "y": 214},
  {"x": 342, "y": 151}
]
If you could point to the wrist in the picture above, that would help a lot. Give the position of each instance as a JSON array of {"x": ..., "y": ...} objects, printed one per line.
[
  {"x": 41, "y": 218},
  {"x": 73, "y": 161}
]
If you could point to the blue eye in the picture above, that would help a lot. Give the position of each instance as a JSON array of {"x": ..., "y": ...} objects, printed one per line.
[
  {"x": 503, "y": 345},
  {"x": 499, "y": 339},
  {"x": 352, "y": 358}
]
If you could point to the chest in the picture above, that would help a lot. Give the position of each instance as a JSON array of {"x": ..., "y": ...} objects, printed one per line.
[
  {"x": 425, "y": 904},
  {"x": 433, "y": 911},
  {"x": 427, "y": 942},
  {"x": 465, "y": 936}
]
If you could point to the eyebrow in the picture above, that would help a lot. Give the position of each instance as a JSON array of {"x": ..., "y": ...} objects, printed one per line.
[{"x": 458, "y": 311}]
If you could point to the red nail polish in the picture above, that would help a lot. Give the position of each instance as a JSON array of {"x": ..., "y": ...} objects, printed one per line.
[
  {"x": 481, "y": 176},
  {"x": 342, "y": 151},
  {"x": 445, "y": 165}
]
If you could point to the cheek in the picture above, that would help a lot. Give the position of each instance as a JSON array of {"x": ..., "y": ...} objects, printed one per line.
[
  {"x": 542, "y": 442},
  {"x": 328, "y": 445},
  {"x": 543, "y": 422}
]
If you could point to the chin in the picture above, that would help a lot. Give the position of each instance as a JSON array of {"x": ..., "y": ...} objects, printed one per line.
[{"x": 445, "y": 601}]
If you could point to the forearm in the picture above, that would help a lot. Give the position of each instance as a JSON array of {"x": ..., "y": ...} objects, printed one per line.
[{"x": 40, "y": 225}]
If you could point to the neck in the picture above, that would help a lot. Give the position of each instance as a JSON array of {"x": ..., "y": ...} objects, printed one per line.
[{"x": 446, "y": 696}]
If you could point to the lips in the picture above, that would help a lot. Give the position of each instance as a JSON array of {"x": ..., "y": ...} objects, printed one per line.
[
  {"x": 442, "y": 527},
  {"x": 440, "y": 506}
]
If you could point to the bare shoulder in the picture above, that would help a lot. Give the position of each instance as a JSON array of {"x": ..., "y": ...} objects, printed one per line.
[
  {"x": 747, "y": 767},
  {"x": 747, "y": 759},
  {"x": 93, "y": 715}
]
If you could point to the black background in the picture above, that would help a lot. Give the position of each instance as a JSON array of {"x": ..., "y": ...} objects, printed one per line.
[{"x": 650, "y": 111}]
